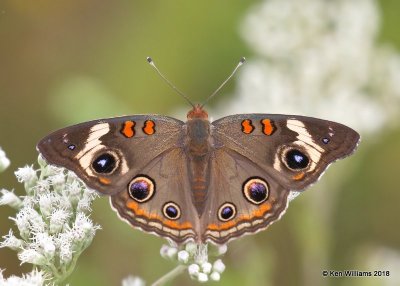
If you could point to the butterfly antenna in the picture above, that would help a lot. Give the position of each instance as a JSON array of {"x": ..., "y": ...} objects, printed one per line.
[
  {"x": 241, "y": 62},
  {"x": 151, "y": 62}
]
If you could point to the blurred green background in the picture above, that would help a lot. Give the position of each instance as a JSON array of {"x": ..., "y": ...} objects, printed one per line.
[{"x": 64, "y": 62}]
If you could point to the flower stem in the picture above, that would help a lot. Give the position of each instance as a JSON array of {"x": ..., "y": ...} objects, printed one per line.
[
  {"x": 170, "y": 275},
  {"x": 66, "y": 272}
]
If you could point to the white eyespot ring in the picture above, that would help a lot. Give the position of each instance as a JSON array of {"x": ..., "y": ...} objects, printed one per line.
[
  {"x": 141, "y": 188},
  {"x": 226, "y": 212},
  {"x": 295, "y": 158},
  {"x": 171, "y": 211}
]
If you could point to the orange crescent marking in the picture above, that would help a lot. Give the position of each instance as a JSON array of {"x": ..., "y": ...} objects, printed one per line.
[
  {"x": 128, "y": 129},
  {"x": 247, "y": 127},
  {"x": 268, "y": 127},
  {"x": 141, "y": 212},
  {"x": 171, "y": 224},
  {"x": 261, "y": 210},
  {"x": 177, "y": 225},
  {"x": 256, "y": 213},
  {"x": 299, "y": 176},
  {"x": 148, "y": 127},
  {"x": 104, "y": 181}
]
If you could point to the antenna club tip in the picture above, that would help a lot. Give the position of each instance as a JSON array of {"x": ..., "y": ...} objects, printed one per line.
[
  {"x": 242, "y": 60},
  {"x": 149, "y": 60}
]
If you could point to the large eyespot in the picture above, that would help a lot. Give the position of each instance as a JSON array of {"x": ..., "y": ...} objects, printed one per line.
[
  {"x": 141, "y": 189},
  {"x": 171, "y": 211},
  {"x": 105, "y": 163},
  {"x": 295, "y": 159},
  {"x": 256, "y": 190},
  {"x": 226, "y": 212}
]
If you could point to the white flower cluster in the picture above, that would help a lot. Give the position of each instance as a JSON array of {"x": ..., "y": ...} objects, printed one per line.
[
  {"x": 52, "y": 220},
  {"x": 195, "y": 257},
  {"x": 319, "y": 58},
  {"x": 35, "y": 278},
  {"x": 4, "y": 161}
]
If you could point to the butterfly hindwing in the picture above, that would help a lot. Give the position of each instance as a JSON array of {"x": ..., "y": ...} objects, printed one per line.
[
  {"x": 243, "y": 198},
  {"x": 167, "y": 210}
]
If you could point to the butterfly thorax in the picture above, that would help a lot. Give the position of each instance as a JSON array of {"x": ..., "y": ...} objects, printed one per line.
[
  {"x": 197, "y": 112},
  {"x": 198, "y": 133},
  {"x": 198, "y": 148}
]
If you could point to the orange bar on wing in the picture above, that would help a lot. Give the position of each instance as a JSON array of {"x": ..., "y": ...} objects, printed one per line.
[
  {"x": 149, "y": 127},
  {"x": 128, "y": 129},
  {"x": 247, "y": 127},
  {"x": 298, "y": 176},
  {"x": 104, "y": 181},
  {"x": 268, "y": 126}
]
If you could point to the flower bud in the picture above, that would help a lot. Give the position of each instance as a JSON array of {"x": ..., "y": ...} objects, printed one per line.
[{"x": 183, "y": 256}]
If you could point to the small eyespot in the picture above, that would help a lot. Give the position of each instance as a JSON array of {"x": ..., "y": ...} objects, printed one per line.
[
  {"x": 226, "y": 212},
  {"x": 171, "y": 211},
  {"x": 105, "y": 163},
  {"x": 71, "y": 147},
  {"x": 295, "y": 159},
  {"x": 256, "y": 190},
  {"x": 141, "y": 189},
  {"x": 325, "y": 140}
]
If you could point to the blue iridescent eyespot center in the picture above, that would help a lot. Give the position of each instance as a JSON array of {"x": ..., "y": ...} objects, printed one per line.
[
  {"x": 296, "y": 159},
  {"x": 141, "y": 189},
  {"x": 226, "y": 212},
  {"x": 171, "y": 211},
  {"x": 105, "y": 163},
  {"x": 256, "y": 190}
]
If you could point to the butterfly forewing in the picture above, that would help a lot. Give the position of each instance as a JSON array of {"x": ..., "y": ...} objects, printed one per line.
[
  {"x": 107, "y": 153},
  {"x": 294, "y": 150}
]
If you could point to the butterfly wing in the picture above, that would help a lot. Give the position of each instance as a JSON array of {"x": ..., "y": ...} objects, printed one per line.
[
  {"x": 294, "y": 150},
  {"x": 259, "y": 159},
  {"x": 139, "y": 161},
  {"x": 231, "y": 211},
  {"x": 170, "y": 213},
  {"x": 107, "y": 153}
]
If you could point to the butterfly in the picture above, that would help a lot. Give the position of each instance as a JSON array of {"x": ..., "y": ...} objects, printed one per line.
[{"x": 198, "y": 180}]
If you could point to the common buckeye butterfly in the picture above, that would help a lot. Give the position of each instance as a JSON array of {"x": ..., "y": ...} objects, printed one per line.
[{"x": 200, "y": 180}]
